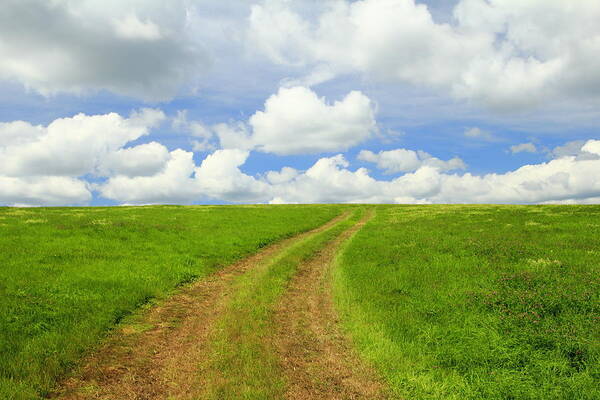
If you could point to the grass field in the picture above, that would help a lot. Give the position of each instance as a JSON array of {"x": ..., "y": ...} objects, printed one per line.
[
  {"x": 69, "y": 274},
  {"x": 443, "y": 302},
  {"x": 477, "y": 302}
]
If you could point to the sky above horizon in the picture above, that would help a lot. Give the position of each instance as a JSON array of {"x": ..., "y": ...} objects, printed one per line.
[{"x": 279, "y": 101}]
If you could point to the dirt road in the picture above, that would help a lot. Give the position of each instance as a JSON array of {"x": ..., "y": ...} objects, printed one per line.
[{"x": 157, "y": 356}]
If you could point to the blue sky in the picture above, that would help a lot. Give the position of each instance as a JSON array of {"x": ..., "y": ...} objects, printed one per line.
[{"x": 277, "y": 101}]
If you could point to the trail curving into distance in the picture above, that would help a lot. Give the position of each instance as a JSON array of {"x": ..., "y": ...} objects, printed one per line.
[
  {"x": 189, "y": 346},
  {"x": 316, "y": 358}
]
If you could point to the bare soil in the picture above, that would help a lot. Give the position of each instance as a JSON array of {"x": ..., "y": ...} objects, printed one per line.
[{"x": 316, "y": 357}]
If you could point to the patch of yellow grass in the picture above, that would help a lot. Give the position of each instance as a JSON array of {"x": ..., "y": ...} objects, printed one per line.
[
  {"x": 18, "y": 211},
  {"x": 543, "y": 262},
  {"x": 101, "y": 222}
]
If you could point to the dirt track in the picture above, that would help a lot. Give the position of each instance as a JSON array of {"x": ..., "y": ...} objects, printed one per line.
[
  {"x": 158, "y": 356},
  {"x": 315, "y": 356}
]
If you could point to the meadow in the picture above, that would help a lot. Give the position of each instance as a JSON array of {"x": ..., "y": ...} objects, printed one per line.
[
  {"x": 68, "y": 275},
  {"x": 440, "y": 301},
  {"x": 477, "y": 302}
]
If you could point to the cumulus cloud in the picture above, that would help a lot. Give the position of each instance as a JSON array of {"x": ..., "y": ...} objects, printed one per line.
[
  {"x": 327, "y": 180},
  {"x": 503, "y": 53},
  {"x": 219, "y": 176},
  {"x": 285, "y": 175},
  {"x": 592, "y": 147},
  {"x": 235, "y": 135},
  {"x": 403, "y": 160},
  {"x": 42, "y": 165},
  {"x": 182, "y": 182},
  {"x": 561, "y": 179},
  {"x": 580, "y": 149},
  {"x": 296, "y": 121},
  {"x": 71, "y": 146},
  {"x": 148, "y": 174},
  {"x": 134, "y": 48},
  {"x": 43, "y": 191},
  {"x": 142, "y": 160},
  {"x": 201, "y": 133},
  {"x": 49, "y": 165},
  {"x": 523, "y": 148},
  {"x": 567, "y": 179},
  {"x": 172, "y": 185}
]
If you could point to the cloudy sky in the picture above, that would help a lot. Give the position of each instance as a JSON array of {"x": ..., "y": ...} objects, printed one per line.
[{"x": 107, "y": 102}]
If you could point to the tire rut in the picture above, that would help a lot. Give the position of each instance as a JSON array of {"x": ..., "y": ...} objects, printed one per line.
[
  {"x": 316, "y": 358},
  {"x": 158, "y": 356}
]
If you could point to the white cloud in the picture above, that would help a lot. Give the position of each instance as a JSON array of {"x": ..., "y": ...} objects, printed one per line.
[
  {"x": 195, "y": 129},
  {"x": 285, "y": 175},
  {"x": 330, "y": 180},
  {"x": 592, "y": 147},
  {"x": 236, "y": 135},
  {"x": 202, "y": 146},
  {"x": 296, "y": 121},
  {"x": 279, "y": 200},
  {"x": 39, "y": 165},
  {"x": 142, "y": 160},
  {"x": 219, "y": 177},
  {"x": 134, "y": 48},
  {"x": 43, "y": 191},
  {"x": 17, "y": 133},
  {"x": 480, "y": 134},
  {"x": 46, "y": 165},
  {"x": 172, "y": 185},
  {"x": 70, "y": 146},
  {"x": 403, "y": 160},
  {"x": 181, "y": 181},
  {"x": 561, "y": 179},
  {"x": 506, "y": 54},
  {"x": 523, "y": 147},
  {"x": 580, "y": 149}
]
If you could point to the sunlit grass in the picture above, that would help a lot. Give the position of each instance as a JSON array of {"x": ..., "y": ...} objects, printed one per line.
[
  {"x": 472, "y": 302},
  {"x": 67, "y": 275}
]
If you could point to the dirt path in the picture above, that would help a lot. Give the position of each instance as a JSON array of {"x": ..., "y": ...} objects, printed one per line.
[
  {"x": 315, "y": 356},
  {"x": 157, "y": 357}
]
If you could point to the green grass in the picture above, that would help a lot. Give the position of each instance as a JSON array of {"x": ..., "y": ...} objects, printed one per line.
[
  {"x": 67, "y": 275},
  {"x": 473, "y": 302},
  {"x": 243, "y": 364},
  {"x": 447, "y": 302}
]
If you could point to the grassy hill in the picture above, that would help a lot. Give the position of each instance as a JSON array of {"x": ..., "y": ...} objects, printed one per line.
[
  {"x": 421, "y": 302},
  {"x": 67, "y": 275},
  {"x": 473, "y": 302}
]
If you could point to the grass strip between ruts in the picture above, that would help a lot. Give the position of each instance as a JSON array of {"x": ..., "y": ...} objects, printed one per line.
[{"x": 243, "y": 364}]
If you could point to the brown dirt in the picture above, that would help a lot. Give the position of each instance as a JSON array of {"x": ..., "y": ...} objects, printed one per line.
[
  {"x": 316, "y": 357},
  {"x": 158, "y": 356}
]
